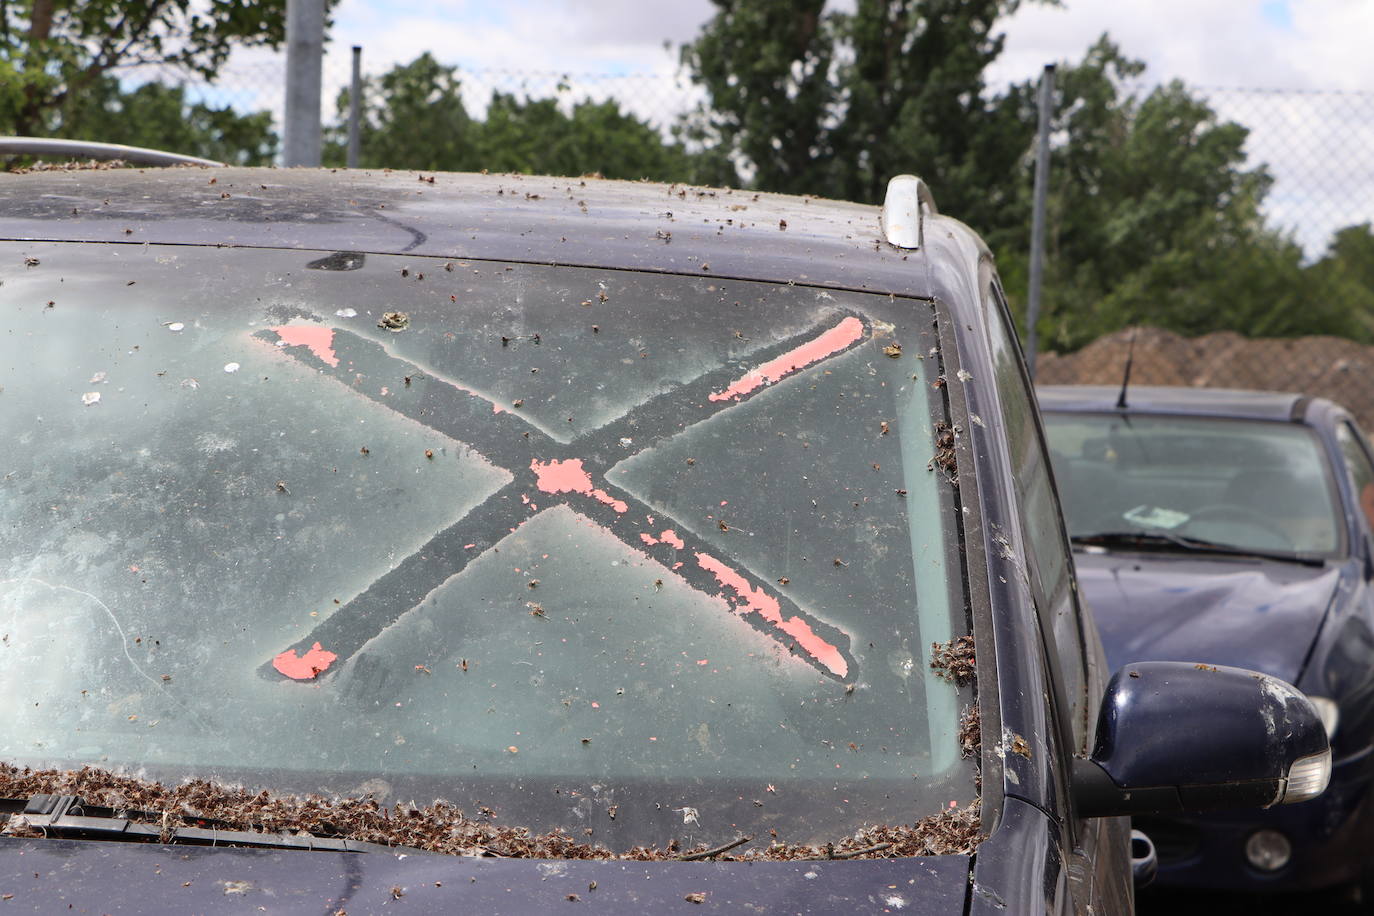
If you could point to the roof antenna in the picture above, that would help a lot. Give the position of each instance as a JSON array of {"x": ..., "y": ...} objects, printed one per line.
[{"x": 1126, "y": 376}]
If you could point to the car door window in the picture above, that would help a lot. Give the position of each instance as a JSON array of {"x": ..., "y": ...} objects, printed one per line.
[
  {"x": 1041, "y": 525},
  {"x": 1359, "y": 467}
]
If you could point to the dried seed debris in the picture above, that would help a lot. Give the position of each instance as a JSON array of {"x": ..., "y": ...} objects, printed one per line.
[
  {"x": 441, "y": 827},
  {"x": 953, "y": 660},
  {"x": 970, "y": 723}
]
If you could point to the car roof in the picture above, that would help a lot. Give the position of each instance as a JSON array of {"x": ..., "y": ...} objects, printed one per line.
[
  {"x": 1207, "y": 402},
  {"x": 567, "y": 221}
]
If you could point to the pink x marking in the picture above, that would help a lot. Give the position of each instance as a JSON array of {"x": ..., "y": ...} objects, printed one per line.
[{"x": 557, "y": 475}]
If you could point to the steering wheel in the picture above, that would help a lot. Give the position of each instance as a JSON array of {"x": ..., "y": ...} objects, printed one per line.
[{"x": 1242, "y": 515}]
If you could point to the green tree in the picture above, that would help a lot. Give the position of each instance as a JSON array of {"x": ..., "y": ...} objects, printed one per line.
[
  {"x": 160, "y": 117},
  {"x": 836, "y": 103},
  {"x": 424, "y": 98},
  {"x": 1350, "y": 257},
  {"x": 768, "y": 67},
  {"x": 51, "y": 51},
  {"x": 1154, "y": 217},
  {"x": 536, "y": 136},
  {"x": 1345, "y": 275},
  {"x": 411, "y": 117}
]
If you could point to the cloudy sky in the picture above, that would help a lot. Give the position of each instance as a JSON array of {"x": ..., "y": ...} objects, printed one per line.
[
  {"x": 1298, "y": 73},
  {"x": 1309, "y": 44}
]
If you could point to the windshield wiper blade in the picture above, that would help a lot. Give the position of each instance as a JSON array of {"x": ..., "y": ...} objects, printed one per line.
[
  {"x": 65, "y": 816},
  {"x": 1157, "y": 538}
]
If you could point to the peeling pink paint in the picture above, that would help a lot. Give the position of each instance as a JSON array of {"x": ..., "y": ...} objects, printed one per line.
[
  {"x": 669, "y": 536},
  {"x": 828, "y": 343},
  {"x": 304, "y": 667},
  {"x": 320, "y": 340},
  {"x": 568, "y": 476},
  {"x": 756, "y": 601}
]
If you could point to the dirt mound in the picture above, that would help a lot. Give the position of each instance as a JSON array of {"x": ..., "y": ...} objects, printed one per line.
[{"x": 1328, "y": 367}]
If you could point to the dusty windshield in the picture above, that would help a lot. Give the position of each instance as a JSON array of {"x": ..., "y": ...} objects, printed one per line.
[
  {"x": 1242, "y": 483},
  {"x": 647, "y": 556}
]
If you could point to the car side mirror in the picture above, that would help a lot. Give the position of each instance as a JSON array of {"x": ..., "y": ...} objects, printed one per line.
[{"x": 1175, "y": 737}]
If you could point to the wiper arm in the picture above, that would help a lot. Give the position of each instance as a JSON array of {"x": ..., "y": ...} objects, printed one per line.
[
  {"x": 1158, "y": 538},
  {"x": 65, "y": 816}
]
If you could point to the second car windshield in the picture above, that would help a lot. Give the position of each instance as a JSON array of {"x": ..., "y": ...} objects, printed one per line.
[{"x": 1251, "y": 485}]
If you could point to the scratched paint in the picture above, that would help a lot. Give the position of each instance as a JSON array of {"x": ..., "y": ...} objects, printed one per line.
[
  {"x": 668, "y": 536},
  {"x": 304, "y": 667},
  {"x": 320, "y": 340},
  {"x": 755, "y": 601},
  {"x": 827, "y": 344},
  {"x": 568, "y": 476}
]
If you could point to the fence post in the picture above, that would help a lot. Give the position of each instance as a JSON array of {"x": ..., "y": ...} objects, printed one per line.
[
  {"x": 304, "y": 52},
  {"x": 1042, "y": 180},
  {"x": 355, "y": 91}
]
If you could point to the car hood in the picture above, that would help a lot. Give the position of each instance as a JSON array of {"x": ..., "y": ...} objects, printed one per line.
[
  {"x": 1251, "y": 614},
  {"x": 45, "y": 876}
]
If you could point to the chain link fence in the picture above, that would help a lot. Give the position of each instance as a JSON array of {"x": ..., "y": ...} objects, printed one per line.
[
  {"x": 257, "y": 83},
  {"x": 1317, "y": 146},
  {"x": 1319, "y": 149},
  {"x": 1327, "y": 367}
]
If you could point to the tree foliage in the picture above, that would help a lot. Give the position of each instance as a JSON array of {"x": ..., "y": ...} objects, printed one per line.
[
  {"x": 52, "y": 51},
  {"x": 1154, "y": 214},
  {"x": 835, "y": 103},
  {"x": 160, "y": 117},
  {"x": 410, "y": 101},
  {"x": 424, "y": 99},
  {"x": 1155, "y": 218}
]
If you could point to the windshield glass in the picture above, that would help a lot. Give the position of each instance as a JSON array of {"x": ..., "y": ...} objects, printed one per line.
[
  {"x": 639, "y": 556},
  {"x": 1256, "y": 485}
]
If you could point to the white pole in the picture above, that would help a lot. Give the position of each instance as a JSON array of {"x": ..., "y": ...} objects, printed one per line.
[{"x": 304, "y": 54}]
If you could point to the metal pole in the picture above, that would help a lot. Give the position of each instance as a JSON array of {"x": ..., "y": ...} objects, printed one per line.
[
  {"x": 1042, "y": 181},
  {"x": 304, "y": 53},
  {"x": 355, "y": 93}
]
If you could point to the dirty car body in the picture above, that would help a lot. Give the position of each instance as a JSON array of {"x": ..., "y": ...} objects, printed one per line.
[
  {"x": 1233, "y": 527},
  {"x": 622, "y": 517}
]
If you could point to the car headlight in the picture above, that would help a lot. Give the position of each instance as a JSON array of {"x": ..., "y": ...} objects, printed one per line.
[
  {"x": 1330, "y": 714},
  {"x": 1307, "y": 778}
]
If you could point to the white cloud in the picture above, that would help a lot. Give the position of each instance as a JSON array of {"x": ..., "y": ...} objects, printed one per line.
[
  {"x": 546, "y": 35},
  {"x": 1316, "y": 146},
  {"x": 1315, "y": 44}
]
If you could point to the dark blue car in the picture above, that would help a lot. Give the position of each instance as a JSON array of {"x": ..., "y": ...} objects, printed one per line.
[
  {"x": 493, "y": 543},
  {"x": 1233, "y": 527}
]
